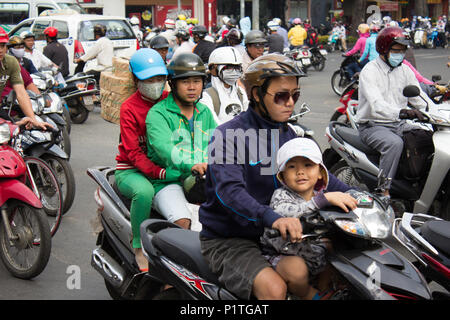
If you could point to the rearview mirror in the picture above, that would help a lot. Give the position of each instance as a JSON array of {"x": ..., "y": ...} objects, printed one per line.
[
  {"x": 411, "y": 91},
  {"x": 436, "y": 78}
]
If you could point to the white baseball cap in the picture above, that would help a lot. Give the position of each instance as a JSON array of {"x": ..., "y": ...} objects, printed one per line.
[{"x": 302, "y": 147}]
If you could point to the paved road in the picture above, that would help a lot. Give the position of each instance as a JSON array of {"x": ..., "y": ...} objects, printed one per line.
[{"x": 95, "y": 143}]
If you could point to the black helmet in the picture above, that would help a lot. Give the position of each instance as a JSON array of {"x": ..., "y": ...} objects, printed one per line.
[
  {"x": 255, "y": 36},
  {"x": 183, "y": 34},
  {"x": 231, "y": 23},
  {"x": 200, "y": 31},
  {"x": 100, "y": 30},
  {"x": 186, "y": 65},
  {"x": 159, "y": 42}
]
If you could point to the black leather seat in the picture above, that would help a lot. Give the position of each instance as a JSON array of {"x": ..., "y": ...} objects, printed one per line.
[
  {"x": 438, "y": 234},
  {"x": 183, "y": 247},
  {"x": 351, "y": 136}
]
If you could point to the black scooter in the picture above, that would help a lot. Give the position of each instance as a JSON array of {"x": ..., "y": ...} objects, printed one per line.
[{"x": 364, "y": 266}]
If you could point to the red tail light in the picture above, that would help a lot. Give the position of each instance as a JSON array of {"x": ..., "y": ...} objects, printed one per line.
[
  {"x": 91, "y": 87},
  {"x": 437, "y": 265},
  {"x": 137, "y": 45},
  {"x": 78, "y": 49}
]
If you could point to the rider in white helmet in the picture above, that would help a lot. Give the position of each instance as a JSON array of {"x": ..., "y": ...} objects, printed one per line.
[
  {"x": 136, "y": 28},
  {"x": 225, "y": 97},
  {"x": 169, "y": 33}
]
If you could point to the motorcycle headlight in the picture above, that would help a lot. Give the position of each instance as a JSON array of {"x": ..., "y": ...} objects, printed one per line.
[
  {"x": 5, "y": 134},
  {"x": 40, "y": 136},
  {"x": 352, "y": 226},
  {"x": 377, "y": 220}
]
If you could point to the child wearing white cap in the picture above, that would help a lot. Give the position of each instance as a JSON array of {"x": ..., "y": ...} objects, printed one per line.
[{"x": 304, "y": 178}]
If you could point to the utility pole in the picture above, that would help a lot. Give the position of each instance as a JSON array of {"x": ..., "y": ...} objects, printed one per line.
[{"x": 255, "y": 14}]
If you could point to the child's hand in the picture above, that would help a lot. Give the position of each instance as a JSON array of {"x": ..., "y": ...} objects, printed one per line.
[{"x": 341, "y": 200}]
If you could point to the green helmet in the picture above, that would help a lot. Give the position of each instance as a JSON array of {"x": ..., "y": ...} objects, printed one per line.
[{"x": 186, "y": 65}]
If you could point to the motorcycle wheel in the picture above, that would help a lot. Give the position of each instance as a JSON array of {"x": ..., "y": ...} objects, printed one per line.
[
  {"x": 66, "y": 179},
  {"x": 340, "y": 117},
  {"x": 320, "y": 65},
  {"x": 337, "y": 83},
  {"x": 78, "y": 113},
  {"x": 66, "y": 117},
  {"x": 345, "y": 173},
  {"x": 28, "y": 255},
  {"x": 42, "y": 179},
  {"x": 65, "y": 141}
]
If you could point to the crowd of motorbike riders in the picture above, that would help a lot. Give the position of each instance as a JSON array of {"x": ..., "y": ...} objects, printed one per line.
[{"x": 194, "y": 88}]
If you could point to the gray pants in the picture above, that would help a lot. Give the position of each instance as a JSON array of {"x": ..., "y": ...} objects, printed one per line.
[{"x": 387, "y": 139}]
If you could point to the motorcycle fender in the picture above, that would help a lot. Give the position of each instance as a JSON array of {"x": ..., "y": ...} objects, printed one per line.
[
  {"x": 56, "y": 150},
  {"x": 14, "y": 189}
]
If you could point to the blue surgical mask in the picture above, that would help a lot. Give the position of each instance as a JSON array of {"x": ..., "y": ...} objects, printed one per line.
[{"x": 395, "y": 59}]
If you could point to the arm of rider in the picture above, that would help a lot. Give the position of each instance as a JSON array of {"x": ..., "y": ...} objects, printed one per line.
[
  {"x": 32, "y": 87},
  {"x": 342, "y": 200},
  {"x": 411, "y": 114},
  {"x": 25, "y": 105},
  {"x": 291, "y": 226}
]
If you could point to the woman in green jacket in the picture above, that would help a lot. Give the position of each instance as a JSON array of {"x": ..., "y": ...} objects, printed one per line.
[{"x": 178, "y": 130}]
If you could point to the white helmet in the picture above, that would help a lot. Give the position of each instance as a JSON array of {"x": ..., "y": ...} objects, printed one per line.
[
  {"x": 272, "y": 25},
  {"x": 277, "y": 21},
  {"x": 181, "y": 24},
  {"x": 225, "y": 19},
  {"x": 225, "y": 55},
  {"x": 169, "y": 24},
  {"x": 134, "y": 20}
]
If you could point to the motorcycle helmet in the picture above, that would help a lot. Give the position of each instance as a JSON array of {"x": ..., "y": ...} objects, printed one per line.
[
  {"x": 159, "y": 42},
  {"x": 194, "y": 188},
  {"x": 181, "y": 17},
  {"x": 169, "y": 24},
  {"x": 263, "y": 68},
  {"x": 363, "y": 28},
  {"x": 147, "y": 63},
  {"x": 254, "y": 37},
  {"x": 199, "y": 31},
  {"x": 186, "y": 65},
  {"x": 134, "y": 21},
  {"x": 180, "y": 24},
  {"x": 183, "y": 34},
  {"x": 234, "y": 36},
  {"x": 15, "y": 41},
  {"x": 225, "y": 55},
  {"x": 297, "y": 21},
  {"x": 27, "y": 34},
  {"x": 4, "y": 38},
  {"x": 388, "y": 37},
  {"x": 52, "y": 32},
  {"x": 277, "y": 21},
  {"x": 272, "y": 25}
]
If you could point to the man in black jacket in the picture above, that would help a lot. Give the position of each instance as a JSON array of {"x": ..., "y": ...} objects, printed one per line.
[
  {"x": 55, "y": 51},
  {"x": 203, "y": 47}
]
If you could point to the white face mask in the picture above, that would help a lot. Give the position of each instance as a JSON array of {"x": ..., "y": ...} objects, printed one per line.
[
  {"x": 152, "y": 91},
  {"x": 230, "y": 76},
  {"x": 18, "y": 53}
]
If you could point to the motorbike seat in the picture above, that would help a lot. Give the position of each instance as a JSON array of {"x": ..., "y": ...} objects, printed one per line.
[
  {"x": 438, "y": 234},
  {"x": 183, "y": 247},
  {"x": 352, "y": 137}
]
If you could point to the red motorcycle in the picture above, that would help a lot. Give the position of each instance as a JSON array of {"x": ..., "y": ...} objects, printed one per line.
[{"x": 25, "y": 240}]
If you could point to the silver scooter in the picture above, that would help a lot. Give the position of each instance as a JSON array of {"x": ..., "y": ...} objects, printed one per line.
[{"x": 355, "y": 163}]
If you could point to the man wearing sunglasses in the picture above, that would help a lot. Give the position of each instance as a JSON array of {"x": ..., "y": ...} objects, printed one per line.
[
  {"x": 240, "y": 181},
  {"x": 255, "y": 42}
]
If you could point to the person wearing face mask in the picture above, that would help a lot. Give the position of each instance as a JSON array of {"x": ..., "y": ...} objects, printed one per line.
[
  {"x": 225, "y": 98},
  {"x": 178, "y": 131},
  {"x": 382, "y": 110},
  {"x": 16, "y": 48},
  {"x": 134, "y": 169}
]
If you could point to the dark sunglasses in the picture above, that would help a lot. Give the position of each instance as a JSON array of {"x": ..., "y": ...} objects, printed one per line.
[
  {"x": 283, "y": 97},
  {"x": 258, "y": 45},
  {"x": 232, "y": 67}
]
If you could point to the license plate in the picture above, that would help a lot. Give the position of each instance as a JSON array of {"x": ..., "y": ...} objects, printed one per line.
[
  {"x": 306, "y": 61},
  {"x": 323, "y": 52},
  {"x": 88, "y": 100}
]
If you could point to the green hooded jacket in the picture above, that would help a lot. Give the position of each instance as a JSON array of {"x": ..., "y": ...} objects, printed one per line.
[{"x": 170, "y": 142}]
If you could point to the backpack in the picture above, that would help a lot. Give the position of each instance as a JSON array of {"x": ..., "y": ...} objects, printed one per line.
[
  {"x": 417, "y": 150},
  {"x": 312, "y": 39},
  {"x": 216, "y": 100}
]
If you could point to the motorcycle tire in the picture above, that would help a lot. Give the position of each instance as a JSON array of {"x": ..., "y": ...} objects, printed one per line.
[
  {"x": 66, "y": 178},
  {"x": 65, "y": 143},
  {"x": 336, "y": 83},
  {"x": 320, "y": 65},
  {"x": 346, "y": 174},
  {"x": 48, "y": 189},
  {"x": 33, "y": 244},
  {"x": 79, "y": 114},
  {"x": 66, "y": 117}
]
